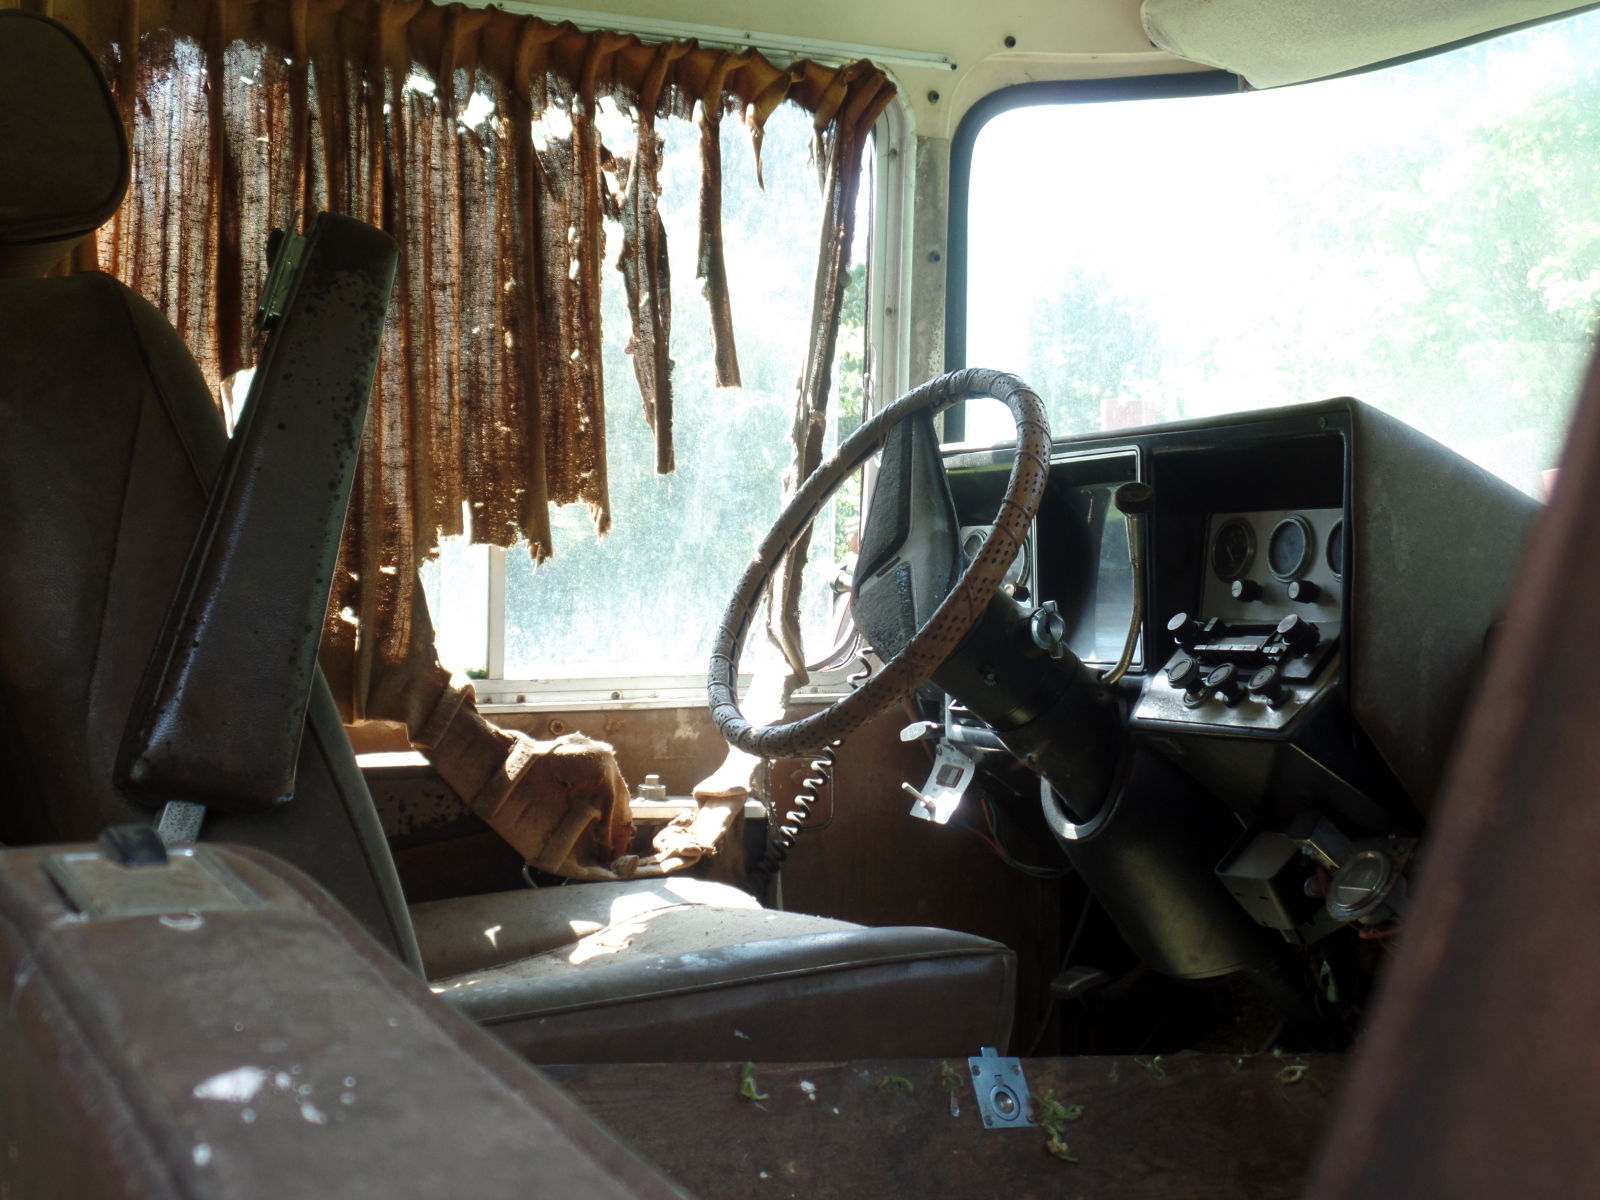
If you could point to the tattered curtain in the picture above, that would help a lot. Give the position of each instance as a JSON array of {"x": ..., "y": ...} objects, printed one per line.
[{"x": 421, "y": 119}]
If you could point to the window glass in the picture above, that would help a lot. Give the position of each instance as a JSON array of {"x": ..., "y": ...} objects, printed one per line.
[
  {"x": 645, "y": 599},
  {"x": 1425, "y": 238},
  {"x": 456, "y": 585}
]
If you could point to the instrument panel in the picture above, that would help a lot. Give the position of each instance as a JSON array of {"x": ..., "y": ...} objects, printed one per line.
[
  {"x": 1262, "y": 517},
  {"x": 1257, "y": 704},
  {"x": 1272, "y": 563},
  {"x": 1264, "y": 641}
]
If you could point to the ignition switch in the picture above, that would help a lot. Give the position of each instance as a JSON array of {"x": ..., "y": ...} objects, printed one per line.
[{"x": 1048, "y": 629}]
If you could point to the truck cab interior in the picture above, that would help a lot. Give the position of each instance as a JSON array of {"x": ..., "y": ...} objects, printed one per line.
[{"x": 1134, "y": 438}]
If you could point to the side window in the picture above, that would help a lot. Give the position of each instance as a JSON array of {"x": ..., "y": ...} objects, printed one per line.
[
  {"x": 631, "y": 615},
  {"x": 1424, "y": 237}
]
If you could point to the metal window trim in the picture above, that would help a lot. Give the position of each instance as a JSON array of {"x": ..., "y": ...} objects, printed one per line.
[
  {"x": 773, "y": 45},
  {"x": 495, "y": 633},
  {"x": 629, "y": 691}
]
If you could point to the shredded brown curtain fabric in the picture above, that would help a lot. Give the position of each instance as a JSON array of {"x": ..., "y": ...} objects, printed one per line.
[{"x": 421, "y": 119}]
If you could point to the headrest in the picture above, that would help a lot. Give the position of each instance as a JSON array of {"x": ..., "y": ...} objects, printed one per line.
[{"x": 63, "y": 155}]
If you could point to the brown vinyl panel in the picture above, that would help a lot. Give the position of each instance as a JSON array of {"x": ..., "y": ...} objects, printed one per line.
[{"x": 1477, "y": 1076}]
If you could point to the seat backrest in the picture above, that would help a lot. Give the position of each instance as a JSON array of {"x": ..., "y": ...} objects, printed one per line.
[{"x": 109, "y": 445}]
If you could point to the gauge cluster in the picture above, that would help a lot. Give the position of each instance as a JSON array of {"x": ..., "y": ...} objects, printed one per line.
[{"x": 1265, "y": 565}]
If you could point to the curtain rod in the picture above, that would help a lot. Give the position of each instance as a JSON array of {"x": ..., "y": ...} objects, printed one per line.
[{"x": 718, "y": 35}]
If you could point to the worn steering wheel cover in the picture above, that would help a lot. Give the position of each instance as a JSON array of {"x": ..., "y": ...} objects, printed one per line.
[{"x": 950, "y": 622}]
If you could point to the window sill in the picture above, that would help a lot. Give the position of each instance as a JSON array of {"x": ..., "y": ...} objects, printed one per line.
[{"x": 590, "y": 695}]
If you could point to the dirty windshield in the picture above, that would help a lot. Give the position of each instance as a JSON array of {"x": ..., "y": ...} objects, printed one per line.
[{"x": 1424, "y": 237}]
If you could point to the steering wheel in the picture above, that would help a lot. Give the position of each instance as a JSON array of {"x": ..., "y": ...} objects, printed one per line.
[{"x": 950, "y": 621}]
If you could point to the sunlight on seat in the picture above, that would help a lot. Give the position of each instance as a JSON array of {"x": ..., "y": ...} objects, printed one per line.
[
  {"x": 610, "y": 940},
  {"x": 440, "y": 989},
  {"x": 672, "y": 893}
]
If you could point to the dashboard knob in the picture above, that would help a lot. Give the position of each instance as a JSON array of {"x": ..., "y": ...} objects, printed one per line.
[
  {"x": 1303, "y": 591},
  {"x": 1245, "y": 590},
  {"x": 1267, "y": 685},
  {"x": 1185, "y": 630},
  {"x": 1134, "y": 499},
  {"x": 1298, "y": 634},
  {"x": 1224, "y": 683},
  {"x": 1184, "y": 672}
]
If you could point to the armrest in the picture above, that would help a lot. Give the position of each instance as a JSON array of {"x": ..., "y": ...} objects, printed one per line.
[{"x": 250, "y": 1041}]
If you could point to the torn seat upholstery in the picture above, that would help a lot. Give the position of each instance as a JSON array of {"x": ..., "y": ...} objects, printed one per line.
[{"x": 109, "y": 445}]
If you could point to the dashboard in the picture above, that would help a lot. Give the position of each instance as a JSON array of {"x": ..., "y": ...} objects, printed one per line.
[
  {"x": 1308, "y": 617},
  {"x": 1317, "y": 551}
]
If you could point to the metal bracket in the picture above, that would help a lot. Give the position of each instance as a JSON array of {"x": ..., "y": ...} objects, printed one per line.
[
  {"x": 1002, "y": 1092},
  {"x": 285, "y": 249},
  {"x": 192, "y": 881},
  {"x": 180, "y": 821},
  {"x": 947, "y": 783}
]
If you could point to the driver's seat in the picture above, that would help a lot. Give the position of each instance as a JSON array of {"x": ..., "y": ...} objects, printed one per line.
[{"x": 109, "y": 444}]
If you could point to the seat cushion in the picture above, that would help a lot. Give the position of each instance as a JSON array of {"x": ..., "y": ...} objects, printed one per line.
[
  {"x": 683, "y": 970},
  {"x": 475, "y": 932}
]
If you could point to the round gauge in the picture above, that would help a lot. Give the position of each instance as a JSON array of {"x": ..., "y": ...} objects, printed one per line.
[
  {"x": 1289, "y": 548},
  {"x": 1335, "y": 550},
  {"x": 1234, "y": 549},
  {"x": 1015, "y": 573}
]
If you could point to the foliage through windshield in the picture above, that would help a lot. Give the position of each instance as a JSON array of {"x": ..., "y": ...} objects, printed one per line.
[{"x": 1425, "y": 238}]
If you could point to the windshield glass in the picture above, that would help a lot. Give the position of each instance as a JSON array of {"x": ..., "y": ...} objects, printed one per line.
[{"x": 1425, "y": 238}]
